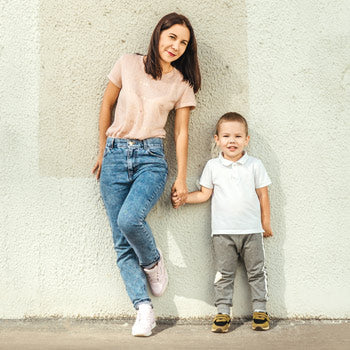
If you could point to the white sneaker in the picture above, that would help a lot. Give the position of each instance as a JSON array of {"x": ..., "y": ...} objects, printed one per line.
[
  {"x": 157, "y": 277},
  {"x": 145, "y": 321}
]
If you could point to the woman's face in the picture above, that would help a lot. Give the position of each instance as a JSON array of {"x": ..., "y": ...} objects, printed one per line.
[{"x": 173, "y": 42}]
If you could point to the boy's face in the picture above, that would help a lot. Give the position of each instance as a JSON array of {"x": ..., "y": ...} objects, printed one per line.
[{"x": 232, "y": 139}]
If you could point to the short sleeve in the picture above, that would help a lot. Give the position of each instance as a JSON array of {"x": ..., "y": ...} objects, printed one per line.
[
  {"x": 261, "y": 177},
  {"x": 187, "y": 99},
  {"x": 206, "y": 179},
  {"x": 115, "y": 75}
]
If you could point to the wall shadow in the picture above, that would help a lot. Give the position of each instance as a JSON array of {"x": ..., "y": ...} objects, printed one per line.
[
  {"x": 274, "y": 246},
  {"x": 189, "y": 226},
  {"x": 225, "y": 87}
]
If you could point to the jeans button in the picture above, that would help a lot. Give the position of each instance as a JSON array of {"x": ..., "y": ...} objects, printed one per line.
[{"x": 131, "y": 143}]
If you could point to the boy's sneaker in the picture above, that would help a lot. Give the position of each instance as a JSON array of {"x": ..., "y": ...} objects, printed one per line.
[
  {"x": 261, "y": 321},
  {"x": 145, "y": 321},
  {"x": 157, "y": 277},
  {"x": 221, "y": 323}
]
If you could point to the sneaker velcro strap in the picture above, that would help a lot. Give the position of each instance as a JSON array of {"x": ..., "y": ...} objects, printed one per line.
[
  {"x": 221, "y": 320},
  {"x": 260, "y": 317}
]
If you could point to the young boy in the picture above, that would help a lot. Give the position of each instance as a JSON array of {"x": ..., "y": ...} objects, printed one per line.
[{"x": 240, "y": 218}]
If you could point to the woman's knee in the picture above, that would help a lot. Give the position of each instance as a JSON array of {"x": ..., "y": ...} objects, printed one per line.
[{"x": 128, "y": 223}]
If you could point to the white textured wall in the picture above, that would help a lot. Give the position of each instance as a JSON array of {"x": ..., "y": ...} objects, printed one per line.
[{"x": 284, "y": 64}]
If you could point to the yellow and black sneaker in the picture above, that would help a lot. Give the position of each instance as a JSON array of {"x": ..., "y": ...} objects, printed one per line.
[
  {"x": 261, "y": 321},
  {"x": 221, "y": 323}
]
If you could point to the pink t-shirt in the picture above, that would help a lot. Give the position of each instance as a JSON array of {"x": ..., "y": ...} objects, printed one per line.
[{"x": 144, "y": 103}]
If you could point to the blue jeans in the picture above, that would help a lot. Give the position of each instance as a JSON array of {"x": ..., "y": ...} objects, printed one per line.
[{"x": 133, "y": 177}]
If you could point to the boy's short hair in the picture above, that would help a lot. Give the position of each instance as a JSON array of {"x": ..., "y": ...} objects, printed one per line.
[{"x": 231, "y": 117}]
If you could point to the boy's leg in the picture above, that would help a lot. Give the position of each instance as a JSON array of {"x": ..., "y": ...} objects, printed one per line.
[
  {"x": 253, "y": 255},
  {"x": 226, "y": 257}
]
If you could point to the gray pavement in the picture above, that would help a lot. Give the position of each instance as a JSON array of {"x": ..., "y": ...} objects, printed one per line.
[{"x": 74, "y": 334}]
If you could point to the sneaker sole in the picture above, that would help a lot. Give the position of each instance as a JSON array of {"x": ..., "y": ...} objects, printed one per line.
[
  {"x": 158, "y": 294},
  {"x": 144, "y": 334},
  {"x": 219, "y": 330},
  {"x": 258, "y": 328},
  {"x": 163, "y": 290}
]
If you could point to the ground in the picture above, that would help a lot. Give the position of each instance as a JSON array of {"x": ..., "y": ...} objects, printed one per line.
[{"x": 115, "y": 334}]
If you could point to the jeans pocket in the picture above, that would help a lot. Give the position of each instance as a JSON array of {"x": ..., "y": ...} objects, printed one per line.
[
  {"x": 156, "y": 152},
  {"x": 106, "y": 151}
]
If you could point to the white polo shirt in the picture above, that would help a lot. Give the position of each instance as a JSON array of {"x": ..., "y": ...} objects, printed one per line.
[{"x": 235, "y": 206}]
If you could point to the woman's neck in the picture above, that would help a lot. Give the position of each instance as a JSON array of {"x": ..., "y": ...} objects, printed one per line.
[{"x": 166, "y": 67}]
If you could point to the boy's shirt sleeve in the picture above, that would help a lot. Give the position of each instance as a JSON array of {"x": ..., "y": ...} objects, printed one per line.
[
  {"x": 261, "y": 177},
  {"x": 206, "y": 179}
]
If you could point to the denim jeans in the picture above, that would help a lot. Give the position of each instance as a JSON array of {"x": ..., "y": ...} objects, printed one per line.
[{"x": 133, "y": 177}]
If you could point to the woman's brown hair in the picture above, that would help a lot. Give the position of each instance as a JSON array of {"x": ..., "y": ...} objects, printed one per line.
[{"x": 187, "y": 64}]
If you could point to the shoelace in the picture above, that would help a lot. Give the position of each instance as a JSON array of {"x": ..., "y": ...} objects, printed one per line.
[{"x": 155, "y": 276}]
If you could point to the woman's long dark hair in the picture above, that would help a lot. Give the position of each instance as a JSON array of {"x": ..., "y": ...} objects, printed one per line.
[{"x": 187, "y": 64}]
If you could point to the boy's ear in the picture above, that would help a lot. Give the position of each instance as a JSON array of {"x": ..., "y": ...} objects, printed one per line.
[
  {"x": 216, "y": 138},
  {"x": 247, "y": 140}
]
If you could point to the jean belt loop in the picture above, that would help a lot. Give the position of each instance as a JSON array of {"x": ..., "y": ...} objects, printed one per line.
[
  {"x": 112, "y": 143},
  {"x": 145, "y": 144}
]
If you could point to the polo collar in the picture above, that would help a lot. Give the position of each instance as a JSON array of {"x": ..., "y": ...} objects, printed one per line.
[{"x": 227, "y": 162}]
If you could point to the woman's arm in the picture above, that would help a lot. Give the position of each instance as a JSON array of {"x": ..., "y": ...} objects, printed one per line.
[
  {"x": 109, "y": 98},
  {"x": 182, "y": 117},
  {"x": 263, "y": 194}
]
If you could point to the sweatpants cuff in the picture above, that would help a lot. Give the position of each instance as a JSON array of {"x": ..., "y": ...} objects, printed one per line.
[
  {"x": 258, "y": 305},
  {"x": 223, "y": 309}
]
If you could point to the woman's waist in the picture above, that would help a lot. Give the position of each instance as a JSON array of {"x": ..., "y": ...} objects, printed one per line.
[{"x": 134, "y": 143}]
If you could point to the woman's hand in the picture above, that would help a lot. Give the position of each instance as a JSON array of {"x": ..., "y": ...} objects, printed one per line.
[
  {"x": 109, "y": 99},
  {"x": 179, "y": 193},
  {"x": 97, "y": 167},
  {"x": 175, "y": 201}
]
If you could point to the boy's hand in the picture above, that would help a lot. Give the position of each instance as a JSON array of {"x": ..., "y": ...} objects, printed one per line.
[{"x": 267, "y": 229}]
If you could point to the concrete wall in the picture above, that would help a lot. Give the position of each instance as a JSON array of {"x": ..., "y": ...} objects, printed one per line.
[{"x": 283, "y": 64}]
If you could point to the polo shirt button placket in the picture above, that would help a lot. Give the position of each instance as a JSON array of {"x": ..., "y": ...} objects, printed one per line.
[{"x": 235, "y": 172}]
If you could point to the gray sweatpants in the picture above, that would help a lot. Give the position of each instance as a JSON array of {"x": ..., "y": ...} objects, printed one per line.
[{"x": 227, "y": 249}]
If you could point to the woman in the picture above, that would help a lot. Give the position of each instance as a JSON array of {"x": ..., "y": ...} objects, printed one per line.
[{"x": 131, "y": 159}]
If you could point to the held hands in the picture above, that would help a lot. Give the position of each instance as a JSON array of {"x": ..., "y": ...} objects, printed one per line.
[
  {"x": 179, "y": 193},
  {"x": 97, "y": 167},
  {"x": 175, "y": 200}
]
